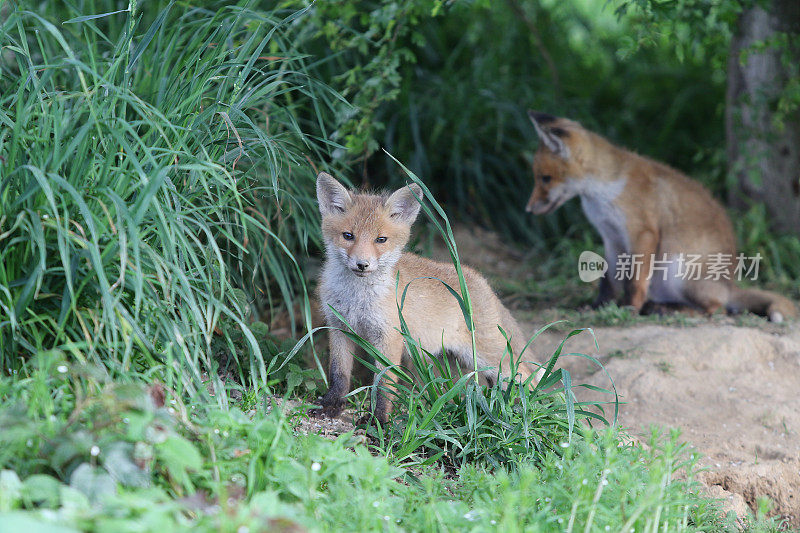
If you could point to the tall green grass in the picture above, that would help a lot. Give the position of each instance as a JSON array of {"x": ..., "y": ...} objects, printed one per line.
[{"x": 152, "y": 160}]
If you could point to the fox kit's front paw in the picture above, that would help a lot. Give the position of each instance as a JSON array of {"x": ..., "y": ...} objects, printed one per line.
[
  {"x": 330, "y": 411},
  {"x": 331, "y": 407}
]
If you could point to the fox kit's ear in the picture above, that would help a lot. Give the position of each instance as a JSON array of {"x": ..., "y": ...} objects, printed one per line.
[
  {"x": 332, "y": 196},
  {"x": 551, "y": 137},
  {"x": 402, "y": 204}
]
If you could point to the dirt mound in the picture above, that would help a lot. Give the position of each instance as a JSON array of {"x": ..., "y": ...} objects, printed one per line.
[{"x": 732, "y": 390}]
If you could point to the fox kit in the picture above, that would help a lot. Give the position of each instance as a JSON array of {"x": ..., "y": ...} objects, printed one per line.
[
  {"x": 648, "y": 211},
  {"x": 364, "y": 237}
]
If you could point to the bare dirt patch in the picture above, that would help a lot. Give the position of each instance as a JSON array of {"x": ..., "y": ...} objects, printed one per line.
[{"x": 731, "y": 390}]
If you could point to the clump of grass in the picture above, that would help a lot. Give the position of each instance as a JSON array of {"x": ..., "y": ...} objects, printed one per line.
[
  {"x": 444, "y": 416},
  {"x": 780, "y": 253},
  {"x": 146, "y": 158},
  {"x": 665, "y": 367}
]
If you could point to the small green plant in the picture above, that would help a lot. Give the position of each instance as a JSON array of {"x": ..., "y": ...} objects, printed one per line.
[
  {"x": 614, "y": 315},
  {"x": 446, "y": 416},
  {"x": 665, "y": 367},
  {"x": 779, "y": 265},
  {"x": 618, "y": 354}
]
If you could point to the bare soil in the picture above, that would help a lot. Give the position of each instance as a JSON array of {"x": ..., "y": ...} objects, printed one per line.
[{"x": 731, "y": 390}]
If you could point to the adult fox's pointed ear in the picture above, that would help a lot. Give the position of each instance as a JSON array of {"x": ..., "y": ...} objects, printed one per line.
[
  {"x": 332, "y": 196},
  {"x": 403, "y": 205},
  {"x": 549, "y": 135}
]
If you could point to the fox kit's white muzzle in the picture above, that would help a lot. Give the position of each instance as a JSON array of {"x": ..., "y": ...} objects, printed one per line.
[{"x": 362, "y": 266}]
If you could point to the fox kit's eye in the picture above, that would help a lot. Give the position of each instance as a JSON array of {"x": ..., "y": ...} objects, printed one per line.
[
  {"x": 347, "y": 236},
  {"x": 546, "y": 178},
  {"x": 380, "y": 240}
]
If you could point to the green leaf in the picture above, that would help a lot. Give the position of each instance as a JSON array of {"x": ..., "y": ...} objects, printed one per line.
[
  {"x": 19, "y": 521},
  {"x": 179, "y": 456},
  {"x": 95, "y": 483},
  {"x": 118, "y": 461},
  {"x": 151, "y": 31},
  {"x": 84, "y": 18},
  {"x": 42, "y": 489},
  {"x": 293, "y": 379},
  {"x": 10, "y": 490}
]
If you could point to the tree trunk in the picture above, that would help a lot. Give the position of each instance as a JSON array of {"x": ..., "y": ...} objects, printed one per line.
[{"x": 764, "y": 157}]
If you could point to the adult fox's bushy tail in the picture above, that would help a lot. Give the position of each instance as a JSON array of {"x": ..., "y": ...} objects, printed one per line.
[{"x": 764, "y": 303}]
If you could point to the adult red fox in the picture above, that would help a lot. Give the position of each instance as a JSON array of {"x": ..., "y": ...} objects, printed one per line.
[
  {"x": 364, "y": 237},
  {"x": 650, "y": 217}
]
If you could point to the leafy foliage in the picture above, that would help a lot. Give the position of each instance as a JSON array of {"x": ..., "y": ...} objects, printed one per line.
[
  {"x": 699, "y": 27},
  {"x": 447, "y": 417},
  {"x": 144, "y": 460},
  {"x": 361, "y": 48},
  {"x": 462, "y": 122}
]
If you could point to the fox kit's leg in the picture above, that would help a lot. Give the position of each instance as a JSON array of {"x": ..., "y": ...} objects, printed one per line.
[
  {"x": 340, "y": 367},
  {"x": 610, "y": 284},
  {"x": 606, "y": 293},
  {"x": 392, "y": 347},
  {"x": 644, "y": 248}
]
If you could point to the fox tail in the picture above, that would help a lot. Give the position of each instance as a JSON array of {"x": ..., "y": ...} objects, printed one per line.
[{"x": 769, "y": 304}]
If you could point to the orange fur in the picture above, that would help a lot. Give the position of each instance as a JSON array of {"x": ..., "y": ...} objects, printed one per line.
[
  {"x": 640, "y": 206},
  {"x": 364, "y": 239}
]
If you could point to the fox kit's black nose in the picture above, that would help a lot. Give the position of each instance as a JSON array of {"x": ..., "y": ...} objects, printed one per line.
[{"x": 362, "y": 265}]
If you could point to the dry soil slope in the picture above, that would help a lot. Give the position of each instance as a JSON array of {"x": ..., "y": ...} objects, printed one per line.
[{"x": 732, "y": 390}]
